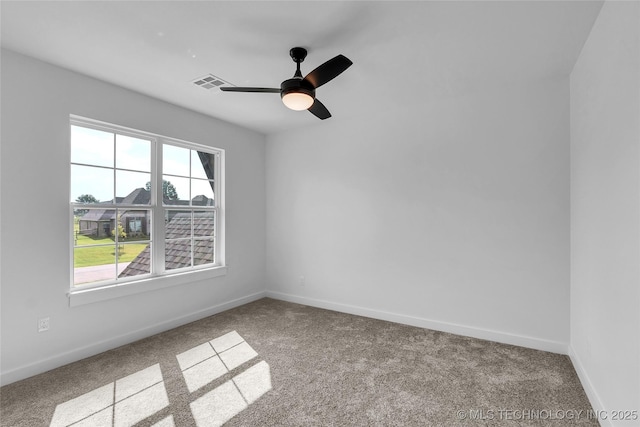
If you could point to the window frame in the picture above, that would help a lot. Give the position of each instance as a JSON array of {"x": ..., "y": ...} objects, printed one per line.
[{"x": 158, "y": 277}]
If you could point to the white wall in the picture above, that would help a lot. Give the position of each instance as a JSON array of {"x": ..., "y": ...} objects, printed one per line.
[
  {"x": 37, "y": 99},
  {"x": 452, "y": 214},
  {"x": 605, "y": 210}
]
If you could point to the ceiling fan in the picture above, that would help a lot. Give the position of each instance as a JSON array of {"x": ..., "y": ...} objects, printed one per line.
[{"x": 299, "y": 93}]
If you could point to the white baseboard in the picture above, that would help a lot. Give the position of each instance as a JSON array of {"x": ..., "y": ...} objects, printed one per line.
[
  {"x": 592, "y": 395},
  {"x": 70, "y": 356},
  {"x": 485, "y": 334}
]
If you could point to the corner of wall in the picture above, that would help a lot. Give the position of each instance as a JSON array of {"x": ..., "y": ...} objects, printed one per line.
[{"x": 588, "y": 387}]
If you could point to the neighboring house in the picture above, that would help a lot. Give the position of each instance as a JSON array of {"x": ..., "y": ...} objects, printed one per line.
[
  {"x": 178, "y": 245},
  {"x": 96, "y": 222},
  {"x": 101, "y": 222}
]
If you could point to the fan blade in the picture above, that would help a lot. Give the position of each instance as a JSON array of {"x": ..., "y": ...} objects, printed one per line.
[
  {"x": 328, "y": 71},
  {"x": 250, "y": 89},
  {"x": 319, "y": 110}
]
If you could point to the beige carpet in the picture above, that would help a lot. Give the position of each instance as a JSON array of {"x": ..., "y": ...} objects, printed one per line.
[{"x": 273, "y": 363}]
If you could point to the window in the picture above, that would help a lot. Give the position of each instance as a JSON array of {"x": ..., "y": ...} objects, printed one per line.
[{"x": 142, "y": 205}]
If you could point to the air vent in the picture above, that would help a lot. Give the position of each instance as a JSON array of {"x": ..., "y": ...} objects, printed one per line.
[{"x": 210, "y": 81}]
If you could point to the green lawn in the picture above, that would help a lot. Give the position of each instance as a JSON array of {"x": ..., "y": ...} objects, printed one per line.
[{"x": 101, "y": 255}]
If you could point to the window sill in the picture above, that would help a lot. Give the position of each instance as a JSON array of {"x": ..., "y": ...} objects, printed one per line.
[{"x": 88, "y": 296}]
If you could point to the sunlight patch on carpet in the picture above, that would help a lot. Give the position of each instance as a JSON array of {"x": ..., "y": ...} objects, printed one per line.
[
  {"x": 202, "y": 365},
  {"x": 122, "y": 403},
  {"x": 136, "y": 397},
  {"x": 207, "y": 362},
  {"x": 229, "y": 399},
  {"x": 165, "y": 422}
]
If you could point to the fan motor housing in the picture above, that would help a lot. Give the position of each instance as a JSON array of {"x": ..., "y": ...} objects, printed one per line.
[{"x": 297, "y": 85}]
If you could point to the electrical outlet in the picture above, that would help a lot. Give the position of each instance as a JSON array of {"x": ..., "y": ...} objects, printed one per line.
[
  {"x": 301, "y": 281},
  {"x": 43, "y": 324}
]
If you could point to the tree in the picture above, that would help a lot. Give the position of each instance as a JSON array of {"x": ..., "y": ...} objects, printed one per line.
[
  {"x": 168, "y": 190},
  {"x": 85, "y": 198},
  {"x": 119, "y": 230},
  {"x": 120, "y": 234}
]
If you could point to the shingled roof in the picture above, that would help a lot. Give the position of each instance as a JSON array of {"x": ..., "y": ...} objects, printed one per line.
[
  {"x": 98, "y": 215},
  {"x": 139, "y": 196},
  {"x": 178, "y": 252}
]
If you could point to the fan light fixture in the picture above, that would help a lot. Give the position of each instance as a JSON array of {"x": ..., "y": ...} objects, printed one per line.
[
  {"x": 299, "y": 93},
  {"x": 297, "y": 101}
]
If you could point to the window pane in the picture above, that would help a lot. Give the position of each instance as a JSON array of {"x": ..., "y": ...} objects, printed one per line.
[
  {"x": 202, "y": 164},
  {"x": 203, "y": 223},
  {"x": 130, "y": 188},
  {"x": 93, "y": 226},
  {"x": 133, "y": 153},
  {"x": 175, "y": 190},
  {"x": 136, "y": 224},
  {"x": 203, "y": 252},
  {"x": 92, "y": 147},
  {"x": 93, "y": 264},
  {"x": 202, "y": 192},
  {"x": 87, "y": 180},
  {"x": 177, "y": 224},
  {"x": 177, "y": 254},
  {"x": 135, "y": 259},
  {"x": 175, "y": 160}
]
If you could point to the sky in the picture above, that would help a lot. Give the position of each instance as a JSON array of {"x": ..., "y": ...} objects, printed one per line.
[{"x": 99, "y": 158}]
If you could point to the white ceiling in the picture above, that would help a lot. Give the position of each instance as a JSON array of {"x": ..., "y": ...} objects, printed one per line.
[{"x": 403, "y": 52}]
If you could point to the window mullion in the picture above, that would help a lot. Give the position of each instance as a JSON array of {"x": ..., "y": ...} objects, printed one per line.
[
  {"x": 158, "y": 225},
  {"x": 218, "y": 203},
  {"x": 116, "y": 211},
  {"x": 191, "y": 213},
  {"x": 193, "y": 242}
]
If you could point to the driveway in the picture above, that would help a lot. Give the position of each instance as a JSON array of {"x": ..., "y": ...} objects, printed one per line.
[{"x": 97, "y": 273}]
